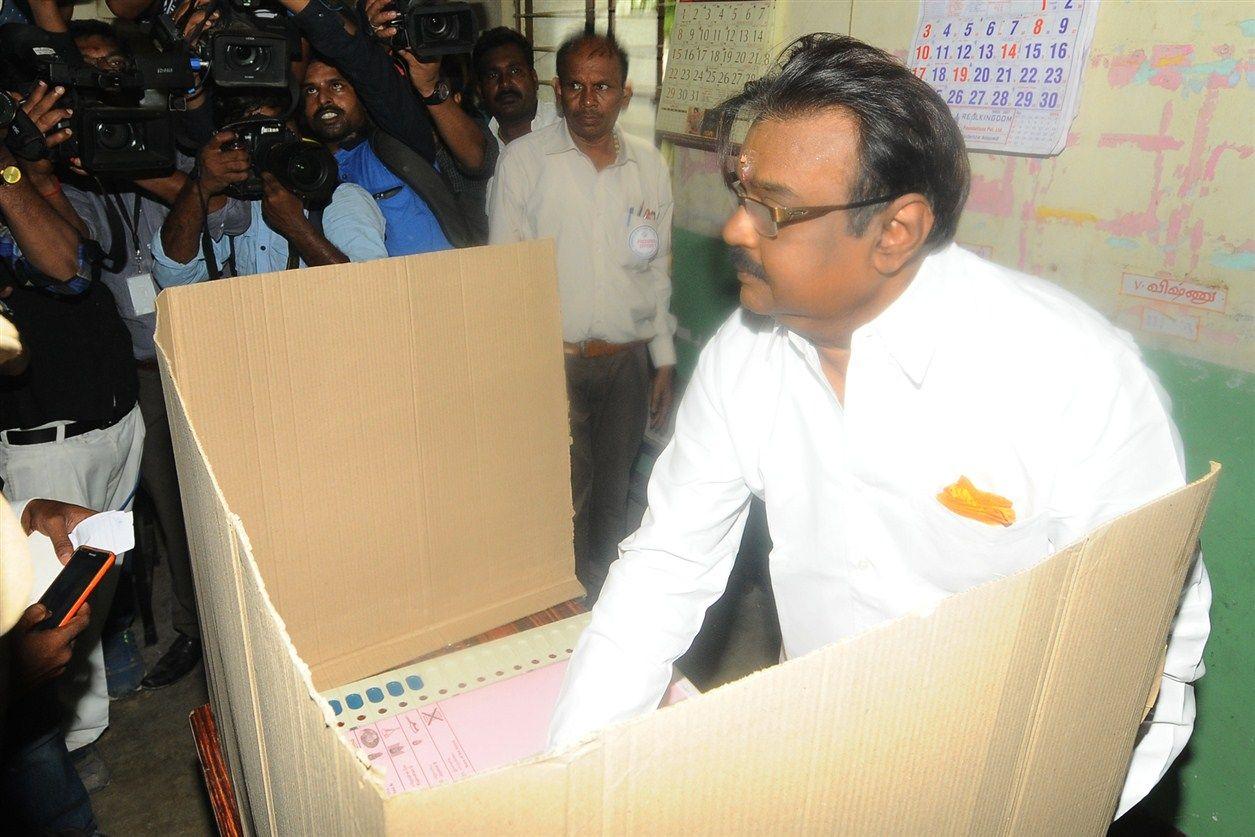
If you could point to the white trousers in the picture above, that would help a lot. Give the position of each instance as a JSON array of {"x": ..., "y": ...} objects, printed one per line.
[{"x": 98, "y": 470}]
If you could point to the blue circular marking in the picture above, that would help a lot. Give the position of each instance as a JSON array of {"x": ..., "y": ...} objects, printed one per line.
[
  {"x": 335, "y": 707},
  {"x": 354, "y": 700},
  {"x": 375, "y": 694},
  {"x": 414, "y": 682},
  {"x": 395, "y": 688}
]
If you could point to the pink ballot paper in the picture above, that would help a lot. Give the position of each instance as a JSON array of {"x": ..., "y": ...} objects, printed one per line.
[{"x": 472, "y": 732}]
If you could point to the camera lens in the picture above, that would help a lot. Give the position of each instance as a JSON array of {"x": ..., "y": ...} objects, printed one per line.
[
  {"x": 306, "y": 168},
  {"x": 440, "y": 27},
  {"x": 116, "y": 136},
  {"x": 246, "y": 57}
]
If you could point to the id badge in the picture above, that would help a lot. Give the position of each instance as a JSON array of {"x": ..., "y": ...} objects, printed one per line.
[{"x": 143, "y": 293}]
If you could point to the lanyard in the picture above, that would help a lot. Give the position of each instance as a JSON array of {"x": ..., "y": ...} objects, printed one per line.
[{"x": 132, "y": 225}]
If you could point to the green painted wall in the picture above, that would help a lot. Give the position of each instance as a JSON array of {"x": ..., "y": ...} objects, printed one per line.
[{"x": 1212, "y": 788}]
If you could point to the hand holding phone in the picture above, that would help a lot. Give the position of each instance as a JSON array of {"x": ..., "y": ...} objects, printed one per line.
[
  {"x": 71, "y": 588},
  {"x": 42, "y": 655}
]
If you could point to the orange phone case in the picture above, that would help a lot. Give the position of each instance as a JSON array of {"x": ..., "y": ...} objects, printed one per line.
[{"x": 96, "y": 579}]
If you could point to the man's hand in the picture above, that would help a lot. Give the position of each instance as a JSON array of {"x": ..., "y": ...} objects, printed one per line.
[
  {"x": 43, "y": 107},
  {"x": 42, "y": 655},
  {"x": 382, "y": 16},
  {"x": 424, "y": 75},
  {"x": 56, "y": 520},
  {"x": 660, "y": 398},
  {"x": 283, "y": 211},
  {"x": 222, "y": 164}
]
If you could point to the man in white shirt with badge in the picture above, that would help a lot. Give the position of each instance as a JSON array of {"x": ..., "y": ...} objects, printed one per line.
[
  {"x": 917, "y": 420},
  {"x": 605, "y": 197}
]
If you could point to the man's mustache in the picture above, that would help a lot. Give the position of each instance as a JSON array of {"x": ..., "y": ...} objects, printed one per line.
[{"x": 742, "y": 263}]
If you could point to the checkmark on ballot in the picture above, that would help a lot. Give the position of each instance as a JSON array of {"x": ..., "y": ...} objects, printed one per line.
[{"x": 967, "y": 500}]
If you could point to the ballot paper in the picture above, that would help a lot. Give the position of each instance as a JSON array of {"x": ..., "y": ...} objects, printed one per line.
[{"x": 470, "y": 733}]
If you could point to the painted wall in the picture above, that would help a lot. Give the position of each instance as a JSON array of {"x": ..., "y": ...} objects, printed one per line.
[{"x": 1151, "y": 199}]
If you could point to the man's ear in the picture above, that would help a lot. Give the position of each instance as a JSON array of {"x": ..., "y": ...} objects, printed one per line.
[
  {"x": 627, "y": 97},
  {"x": 901, "y": 230}
]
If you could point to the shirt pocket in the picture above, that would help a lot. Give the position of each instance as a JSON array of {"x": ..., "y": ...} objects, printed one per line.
[{"x": 963, "y": 553}]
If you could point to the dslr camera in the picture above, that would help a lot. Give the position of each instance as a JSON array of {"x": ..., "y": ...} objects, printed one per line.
[
  {"x": 122, "y": 120},
  {"x": 432, "y": 29},
  {"x": 305, "y": 168}
]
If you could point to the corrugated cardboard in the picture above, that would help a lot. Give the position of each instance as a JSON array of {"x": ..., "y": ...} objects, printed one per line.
[{"x": 374, "y": 463}]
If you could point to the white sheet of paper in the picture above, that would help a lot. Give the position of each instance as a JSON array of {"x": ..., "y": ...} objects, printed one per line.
[
  {"x": 143, "y": 293},
  {"x": 114, "y": 531}
]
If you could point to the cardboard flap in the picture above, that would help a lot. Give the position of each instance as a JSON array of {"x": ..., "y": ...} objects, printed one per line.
[
  {"x": 290, "y": 382},
  {"x": 1011, "y": 708}
]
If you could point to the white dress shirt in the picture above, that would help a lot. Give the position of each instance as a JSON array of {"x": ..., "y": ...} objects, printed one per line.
[
  {"x": 975, "y": 371},
  {"x": 612, "y": 228}
]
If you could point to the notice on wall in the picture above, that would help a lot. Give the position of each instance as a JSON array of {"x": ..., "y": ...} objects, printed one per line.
[
  {"x": 1010, "y": 70},
  {"x": 716, "y": 47}
]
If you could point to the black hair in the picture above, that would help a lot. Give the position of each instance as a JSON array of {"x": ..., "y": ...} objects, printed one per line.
[
  {"x": 233, "y": 108},
  {"x": 597, "y": 44},
  {"x": 908, "y": 141},
  {"x": 494, "y": 39},
  {"x": 98, "y": 29}
]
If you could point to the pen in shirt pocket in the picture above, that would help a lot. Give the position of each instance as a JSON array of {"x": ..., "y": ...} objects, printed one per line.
[{"x": 387, "y": 193}]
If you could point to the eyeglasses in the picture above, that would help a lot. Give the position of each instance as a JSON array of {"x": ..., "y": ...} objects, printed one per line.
[{"x": 769, "y": 219}]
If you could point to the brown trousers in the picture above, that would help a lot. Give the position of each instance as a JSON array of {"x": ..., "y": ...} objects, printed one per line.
[{"x": 609, "y": 406}]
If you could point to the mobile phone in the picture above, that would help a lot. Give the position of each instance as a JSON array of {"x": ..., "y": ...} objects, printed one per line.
[{"x": 64, "y": 598}]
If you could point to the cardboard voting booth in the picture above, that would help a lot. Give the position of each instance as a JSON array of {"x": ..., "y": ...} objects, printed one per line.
[{"x": 374, "y": 463}]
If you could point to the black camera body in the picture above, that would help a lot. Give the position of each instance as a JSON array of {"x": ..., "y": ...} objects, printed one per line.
[
  {"x": 305, "y": 168},
  {"x": 433, "y": 29},
  {"x": 122, "y": 120},
  {"x": 253, "y": 48}
]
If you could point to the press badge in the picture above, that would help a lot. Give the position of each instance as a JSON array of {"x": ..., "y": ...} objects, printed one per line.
[
  {"x": 143, "y": 293},
  {"x": 643, "y": 242}
]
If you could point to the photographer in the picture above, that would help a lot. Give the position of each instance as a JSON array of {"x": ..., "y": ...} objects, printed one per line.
[
  {"x": 260, "y": 236},
  {"x": 351, "y": 90}
]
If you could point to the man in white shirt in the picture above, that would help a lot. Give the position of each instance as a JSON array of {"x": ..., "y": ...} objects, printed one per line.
[
  {"x": 917, "y": 420},
  {"x": 505, "y": 72},
  {"x": 605, "y": 197}
]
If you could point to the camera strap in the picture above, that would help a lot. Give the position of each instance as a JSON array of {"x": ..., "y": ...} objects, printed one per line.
[
  {"x": 429, "y": 184},
  {"x": 315, "y": 218}
]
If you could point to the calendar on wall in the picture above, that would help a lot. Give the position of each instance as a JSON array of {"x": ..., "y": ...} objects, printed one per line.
[
  {"x": 716, "y": 47},
  {"x": 1010, "y": 70}
]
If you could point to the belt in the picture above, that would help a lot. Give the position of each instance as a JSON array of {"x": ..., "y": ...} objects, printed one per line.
[
  {"x": 55, "y": 434},
  {"x": 599, "y": 348}
]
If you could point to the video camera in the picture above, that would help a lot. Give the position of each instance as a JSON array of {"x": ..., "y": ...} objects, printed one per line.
[
  {"x": 122, "y": 118},
  {"x": 250, "y": 46},
  {"x": 305, "y": 168},
  {"x": 432, "y": 29}
]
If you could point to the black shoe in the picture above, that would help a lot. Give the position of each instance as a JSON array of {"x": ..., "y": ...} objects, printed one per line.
[{"x": 180, "y": 658}]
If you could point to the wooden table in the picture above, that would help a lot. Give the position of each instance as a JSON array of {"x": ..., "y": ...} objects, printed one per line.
[{"x": 209, "y": 747}]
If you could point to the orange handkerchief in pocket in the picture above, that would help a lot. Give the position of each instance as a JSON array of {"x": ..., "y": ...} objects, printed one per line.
[{"x": 967, "y": 500}]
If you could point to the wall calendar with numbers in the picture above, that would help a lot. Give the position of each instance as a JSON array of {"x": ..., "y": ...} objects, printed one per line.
[
  {"x": 1010, "y": 70},
  {"x": 716, "y": 47}
]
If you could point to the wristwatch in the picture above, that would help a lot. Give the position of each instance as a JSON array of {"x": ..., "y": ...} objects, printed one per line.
[
  {"x": 10, "y": 174},
  {"x": 440, "y": 95}
]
